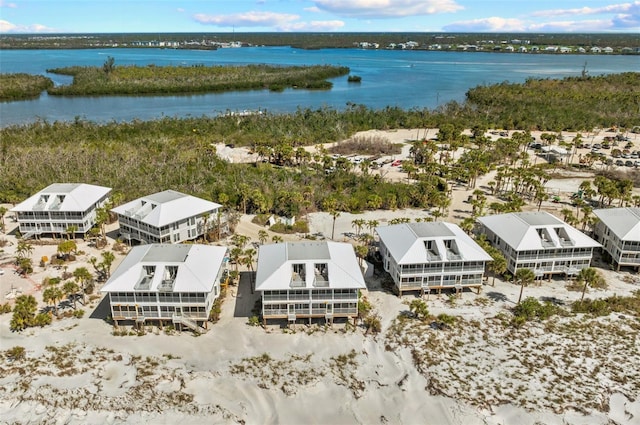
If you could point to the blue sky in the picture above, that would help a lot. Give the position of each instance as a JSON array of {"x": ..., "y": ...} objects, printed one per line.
[{"x": 537, "y": 16}]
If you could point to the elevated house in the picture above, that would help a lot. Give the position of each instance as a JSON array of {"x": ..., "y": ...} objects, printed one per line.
[
  {"x": 167, "y": 284},
  {"x": 61, "y": 208},
  {"x": 166, "y": 217},
  {"x": 538, "y": 241},
  {"x": 618, "y": 230},
  {"x": 308, "y": 280},
  {"x": 431, "y": 256}
]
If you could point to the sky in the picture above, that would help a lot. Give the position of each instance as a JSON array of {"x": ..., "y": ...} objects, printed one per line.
[{"x": 149, "y": 16}]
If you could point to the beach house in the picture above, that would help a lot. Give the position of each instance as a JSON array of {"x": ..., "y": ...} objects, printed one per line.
[
  {"x": 166, "y": 217},
  {"x": 618, "y": 230},
  {"x": 431, "y": 256},
  {"x": 166, "y": 283},
  {"x": 61, "y": 208},
  {"x": 308, "y": 280},
  {"x": 538, "y": 241}
]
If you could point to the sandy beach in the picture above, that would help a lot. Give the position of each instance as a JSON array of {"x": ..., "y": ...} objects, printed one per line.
[{"x": 568, "y": 370}]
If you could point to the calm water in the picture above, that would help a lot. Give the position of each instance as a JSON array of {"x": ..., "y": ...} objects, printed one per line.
[{"x": 408, "y": 79}]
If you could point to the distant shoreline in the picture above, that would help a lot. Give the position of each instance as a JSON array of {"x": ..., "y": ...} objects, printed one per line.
[{"x": 563, "y": 44}]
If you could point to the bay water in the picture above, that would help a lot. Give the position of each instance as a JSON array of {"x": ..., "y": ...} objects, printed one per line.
[{"x": 403, "y": 78}]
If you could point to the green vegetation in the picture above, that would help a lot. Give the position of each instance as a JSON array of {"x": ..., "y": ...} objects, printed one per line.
[
  {"x": 24, "y": 314},
  {"x": 137, "y": 158},
  {"x": 605, "y": 306},
  {"x": 152, "y": 80},
  {"x": 531, "y": 309},
  {"x": 354, "y": 79},
  {"x": 22, "y": 86},
  {"x": 578, "y": 103}
]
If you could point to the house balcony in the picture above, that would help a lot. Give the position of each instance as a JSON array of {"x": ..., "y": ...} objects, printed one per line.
[
  {"x": 321, "y": 281},
  {"x": 166, "y": 285}
]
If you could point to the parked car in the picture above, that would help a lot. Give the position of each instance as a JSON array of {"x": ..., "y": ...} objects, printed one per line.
[
  {"x": 597, "y": 146},
  {"x": 619, "y": 163},
  {"x": 628, "y": 163}
]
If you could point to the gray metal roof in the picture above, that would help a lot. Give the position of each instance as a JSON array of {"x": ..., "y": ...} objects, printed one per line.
[
  {"x": 197, "y": 268},
  {"x": 307, "y": 250},
  {"x": 407, "y": 243},
  {"x": 163, "y": 208},
  {"x": 430, "y": 229},
  {"x": 275, "y": 265},
  {"x": 71, "y": 197},
  {"x": 623, "y": 222},
  {"x": 536, "y": 231}
]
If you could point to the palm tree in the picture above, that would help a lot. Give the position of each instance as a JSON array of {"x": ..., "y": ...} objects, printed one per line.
[
  {"x": 82, "y": 277},
  {"x": 249, "y": 257},
  {"x": 358, "y": 223},
  {"x": 262, "y": 236},
  {"x": 372, "y": 224},
  {"x": 334, "y": 214},
  {"x": 240, "y": 240},
  {"x": 525, "y": 277},
  {"x": 70, "y": 289},
  {"x": 498, "y": 265},
  {"x": 234, "y": 256},
  {"x": 52, "y": 295},
  {"x": 361, "y": 252},
  {"x": 71, "y": 231},
  {"x": 590, "y": 277},
  {"x": 276, "y": 239},
  {"x": 23, "y": 249}
]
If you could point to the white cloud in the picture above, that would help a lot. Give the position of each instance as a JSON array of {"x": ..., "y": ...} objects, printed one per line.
[
  {"x": 312, "y": 9},
  {"x": 8, "y": 27},
  {"x": 493, "y": 24},
  {"x": 248, "y": 19},
  {"x": 7, "y": 4},
  {"x": 180, "y": 10},
  {"x": 613, "y": 8},
  {"x": 624, "y": 16},
  {"x": 387, "y": 8},
  {"x": 572, "y": 26},
  {"x": 314, "y": 26}
]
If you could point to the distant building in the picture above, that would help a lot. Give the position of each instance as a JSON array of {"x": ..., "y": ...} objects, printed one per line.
[
  {"x": 431, "y": 256},
  {"x": 308, "y": 280},
  {"x": 538, "y": 241},
  {"x": 61, "y": 207},
  {"x": 618, "y": 230},
  {"x": 170, "y": 284},
  {"x": 166, "y": 217}
]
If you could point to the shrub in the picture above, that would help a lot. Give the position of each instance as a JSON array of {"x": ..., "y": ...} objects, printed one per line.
[
  {"x": 531, "y": 309},
  {"x": 5, "y": 308},
  {"x": 15, "y": 353},
  {"x": 254, "y": 321},
  {"x": 261, "y": 219},
  {"x": 373, "y": 324},
  {"x": 78, "y": 314},
  {"x": 419, "y": 309},
  {"x": 446, "y": 321}
]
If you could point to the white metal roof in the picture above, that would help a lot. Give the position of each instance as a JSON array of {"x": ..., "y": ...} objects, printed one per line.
[
  {"x": 275, "y": 265},
  {"x": 536, "y": 231},
  {"x": 74, "y": 197},
  {"x": 197, "y": 268},
  {"x": 163, "y": 208},
  {"x": 407, "y": 243},
  {"x": 623, "y": 222}
]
